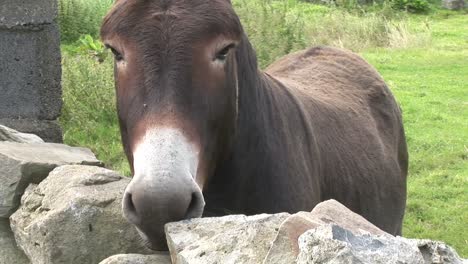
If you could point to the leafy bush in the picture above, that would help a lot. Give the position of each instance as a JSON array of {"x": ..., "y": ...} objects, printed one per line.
[
  {"x": 93, "y": 47},
  {"x": 413, "y": 6},
  {"x": 87, "y": 45}
]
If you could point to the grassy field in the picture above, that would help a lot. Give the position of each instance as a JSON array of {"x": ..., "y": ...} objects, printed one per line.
[{"x": 423, "y": 58}]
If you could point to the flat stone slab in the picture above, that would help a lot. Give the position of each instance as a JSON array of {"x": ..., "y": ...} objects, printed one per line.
[
  {"x": 228, "y": 239},
  {"x": 48, "y": 130},
  {"x": 8, "y": 134},
  {"x": 22, "y": 164}
]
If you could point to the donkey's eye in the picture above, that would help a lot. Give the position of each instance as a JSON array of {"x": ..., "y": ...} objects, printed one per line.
[
  {"x": 117, "y": 55},
  {"x": 222, "y": 54}
]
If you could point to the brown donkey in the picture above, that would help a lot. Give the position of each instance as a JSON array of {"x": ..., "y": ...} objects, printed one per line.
[{"x": 208, "y": 133}]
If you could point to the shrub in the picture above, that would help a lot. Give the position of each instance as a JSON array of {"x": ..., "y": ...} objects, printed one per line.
[
  {"x": 413, "y": 6},
  {"x": 93, "y": 47},
  {"x": 87, "y": 45}
]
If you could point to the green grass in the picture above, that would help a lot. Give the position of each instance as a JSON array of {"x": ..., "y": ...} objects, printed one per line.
[{"x": 423, "y": 58}]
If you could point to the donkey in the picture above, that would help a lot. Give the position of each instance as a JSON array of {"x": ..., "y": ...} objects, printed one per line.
[{"x": 208, "y": 133}]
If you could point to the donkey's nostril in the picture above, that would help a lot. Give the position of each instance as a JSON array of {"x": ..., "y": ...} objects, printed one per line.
[
  {"x": 191, "y": 205},
  {"x": 196, "y": 206},
  {"x": 129, "y": 208}
]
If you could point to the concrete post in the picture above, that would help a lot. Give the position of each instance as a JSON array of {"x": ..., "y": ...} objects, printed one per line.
[
  {"x": 454, "y": 4},
  {"x": 30, "y": 69}
]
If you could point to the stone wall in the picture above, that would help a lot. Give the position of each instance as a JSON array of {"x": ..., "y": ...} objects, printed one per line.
[
  {"x": 67, "y": 209},
  {"x": 30, "y": 70}
]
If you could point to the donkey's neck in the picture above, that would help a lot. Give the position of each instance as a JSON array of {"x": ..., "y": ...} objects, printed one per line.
[
  {"x": 264, "y": 102},
  {"x": 271, "y": 125},
  {"x": 252, "y": 83}
]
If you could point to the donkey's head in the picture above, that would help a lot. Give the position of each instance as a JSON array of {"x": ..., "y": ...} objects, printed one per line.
[{"x": 176, "y": 85}]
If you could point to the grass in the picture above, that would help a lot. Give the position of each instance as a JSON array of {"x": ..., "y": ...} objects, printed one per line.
[{"x": 423, "y": 58}]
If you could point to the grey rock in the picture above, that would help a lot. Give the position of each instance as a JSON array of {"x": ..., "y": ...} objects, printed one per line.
[
  {"x": 30, "y": 72},
  {"x": 453, "y": 4},
  {"x": 285, "y": 248},
  {"x": 23, "y": 164},
  {"x": 74, "y": 216},
  {"x": 334, "y": 244},
  {"x": 24, "y": 12},
  {"x": 138, "y": 259},
  {"x": 228, "y": 239},
  {"x": 331, "y": 211},
  {"x": 8, "y": 134},
  {"x": 9, "y": 252},
  {"x": 437, "y": 252},
  {"x": 48, "y": 130}
]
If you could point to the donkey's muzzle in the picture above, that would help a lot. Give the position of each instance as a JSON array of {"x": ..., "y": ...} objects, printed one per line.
[{"x": 151, "y": 201}]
